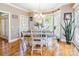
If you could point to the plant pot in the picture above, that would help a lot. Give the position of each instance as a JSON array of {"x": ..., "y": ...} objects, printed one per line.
[
  {"x": 68, "y": 42},
  {"x": 58, "y": 40}
]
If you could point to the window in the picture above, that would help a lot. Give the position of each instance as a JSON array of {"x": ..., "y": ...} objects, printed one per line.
[
  {"x": 48, "y": 22},
  {"x": 24, "y": 23}
]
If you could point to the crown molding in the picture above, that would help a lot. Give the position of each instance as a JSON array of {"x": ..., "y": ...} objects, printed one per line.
[
  {"x": 12, "y": 5},
  {"x": 75, "y": 5}
]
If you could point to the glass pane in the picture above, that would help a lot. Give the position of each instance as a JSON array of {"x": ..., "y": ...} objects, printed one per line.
[{"x": 49, "y": 22}]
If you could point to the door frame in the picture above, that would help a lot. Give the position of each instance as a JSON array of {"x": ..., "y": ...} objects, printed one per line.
[{"x": 9, "y": 21}]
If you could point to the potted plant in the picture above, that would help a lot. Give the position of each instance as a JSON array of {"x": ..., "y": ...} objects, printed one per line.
[
  {"x": 58, "y": 39},
  {"x": 69, "y": 29}
]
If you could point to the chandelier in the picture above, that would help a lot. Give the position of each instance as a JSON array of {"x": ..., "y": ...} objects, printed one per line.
[{"x": 39, "y": 16}]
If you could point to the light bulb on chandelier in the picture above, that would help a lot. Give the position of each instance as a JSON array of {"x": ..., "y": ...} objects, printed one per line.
[{"x": 39, "y": 16}]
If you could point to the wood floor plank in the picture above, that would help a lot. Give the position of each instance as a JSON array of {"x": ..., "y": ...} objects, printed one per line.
[{"x": 61, "y": 49}]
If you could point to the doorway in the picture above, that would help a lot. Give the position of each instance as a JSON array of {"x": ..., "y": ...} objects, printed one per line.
[{"x": 4, "y": 25}]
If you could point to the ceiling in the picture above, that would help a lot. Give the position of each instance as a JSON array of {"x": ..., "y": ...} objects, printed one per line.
[{"x": 38, "y": 7}]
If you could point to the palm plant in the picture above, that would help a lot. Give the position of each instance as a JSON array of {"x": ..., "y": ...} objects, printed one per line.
[{"x": 69, "y": 29}]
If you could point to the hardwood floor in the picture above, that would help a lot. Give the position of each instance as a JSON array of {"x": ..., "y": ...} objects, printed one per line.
[
  {"x": 3, "y": 47},
  {"x": 9, "y": 49},
  {"x": 14, "y": 48},
  {"x": 58, "y": 49},
  {"x": 62, "y": 49},
  {"x": 68, "y": 50}
]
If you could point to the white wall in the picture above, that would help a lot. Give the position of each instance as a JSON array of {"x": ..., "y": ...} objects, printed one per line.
[
  {"x": 14, "y": 27},
  {"x": 76, "y": 39},
  {"x": 57, "y": 19}
]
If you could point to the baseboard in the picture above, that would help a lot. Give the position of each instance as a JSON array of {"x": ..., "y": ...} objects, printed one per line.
[
  {"x": 13, "y": 40},
  {"x": 4, "y": 38},
  {"x": 76, "y": 45}
]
